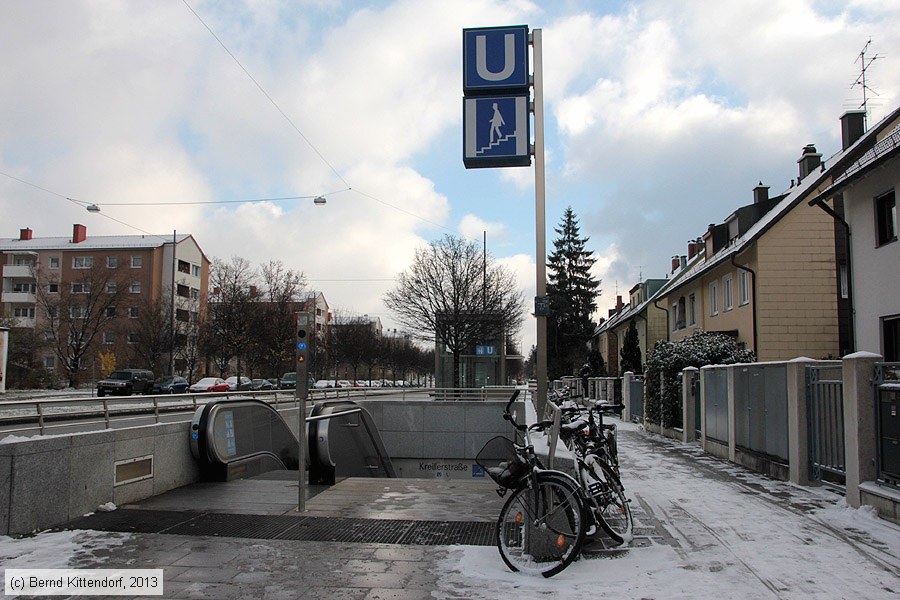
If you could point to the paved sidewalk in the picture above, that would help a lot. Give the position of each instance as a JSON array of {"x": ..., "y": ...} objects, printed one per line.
[{"x": 705, "y": 528}]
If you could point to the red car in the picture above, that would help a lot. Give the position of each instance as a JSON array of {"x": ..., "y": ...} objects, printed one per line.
[{"x": 209, "y": 384}]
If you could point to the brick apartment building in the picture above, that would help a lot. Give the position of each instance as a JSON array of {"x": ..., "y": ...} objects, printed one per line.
[{"x": 112, "y": 278}]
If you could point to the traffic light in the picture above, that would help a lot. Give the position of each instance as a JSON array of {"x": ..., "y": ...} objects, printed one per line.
[{"x": 302, "y": 349}]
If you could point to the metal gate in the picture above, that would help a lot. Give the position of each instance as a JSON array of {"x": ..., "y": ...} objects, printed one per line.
[
  {"x": 636, "y": 393},
  {"x": 825, "y": 412}
]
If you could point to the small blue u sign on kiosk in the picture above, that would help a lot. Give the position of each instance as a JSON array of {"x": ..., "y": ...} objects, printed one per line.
[{"x": 496, "y": 123}]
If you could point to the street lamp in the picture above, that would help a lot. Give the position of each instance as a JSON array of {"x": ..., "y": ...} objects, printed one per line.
[
  {"x": 92, "y": 208},
  {"x": 319, "y": 201}
]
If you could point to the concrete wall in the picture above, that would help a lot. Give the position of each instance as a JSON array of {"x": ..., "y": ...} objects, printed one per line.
[
  {"x": 424, "y": 438},
  {"x": 46, "y": 481}
]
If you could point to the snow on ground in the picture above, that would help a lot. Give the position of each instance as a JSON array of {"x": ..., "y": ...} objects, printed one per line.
[
  {"x": 55, "y": 550},
  {"x": 726, "y": 533}
]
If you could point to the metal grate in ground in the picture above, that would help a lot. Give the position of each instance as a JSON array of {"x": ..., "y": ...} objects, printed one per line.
[{"x": 280, "y": 527}]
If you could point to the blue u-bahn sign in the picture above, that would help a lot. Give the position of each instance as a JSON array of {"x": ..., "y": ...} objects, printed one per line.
[
  {"x": 496, "y": 131},
  {"x": 496, "y": 117},
  {"x": 495, "y": 60}
]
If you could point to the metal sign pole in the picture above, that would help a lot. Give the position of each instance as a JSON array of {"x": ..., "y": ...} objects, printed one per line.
[{"x": 540, "y": 221}]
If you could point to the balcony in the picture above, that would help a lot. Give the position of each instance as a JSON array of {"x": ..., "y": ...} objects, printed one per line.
[
  {"x": 22, "y": 271},
  {"x": 18, "y": 297},
  {"x": 23, "y": 322}
]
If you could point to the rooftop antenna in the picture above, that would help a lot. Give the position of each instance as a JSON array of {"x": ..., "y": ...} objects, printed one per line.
[{"x": 864, "y": 64}]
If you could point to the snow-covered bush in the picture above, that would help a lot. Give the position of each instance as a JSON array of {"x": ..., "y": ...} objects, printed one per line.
[{"x": 661, "y": 386}]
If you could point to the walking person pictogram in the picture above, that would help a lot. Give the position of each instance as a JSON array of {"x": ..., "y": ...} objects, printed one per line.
[{"x": 496, "y": 123}]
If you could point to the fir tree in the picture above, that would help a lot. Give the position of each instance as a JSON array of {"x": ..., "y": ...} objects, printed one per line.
[
  {"x": 572, "y": 292},
  {"x": 631, "y": 351}
]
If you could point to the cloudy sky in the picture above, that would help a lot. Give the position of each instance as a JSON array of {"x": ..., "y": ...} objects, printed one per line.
[{"x": 661, "y": 117}]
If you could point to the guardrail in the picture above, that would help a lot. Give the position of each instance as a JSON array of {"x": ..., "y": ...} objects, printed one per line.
[{"x": 45, "y": 415}]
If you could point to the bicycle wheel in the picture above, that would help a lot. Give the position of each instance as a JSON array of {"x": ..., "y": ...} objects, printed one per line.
[
  {"x": 607, "y": 497},
  {"x": 541, "y": 528}
]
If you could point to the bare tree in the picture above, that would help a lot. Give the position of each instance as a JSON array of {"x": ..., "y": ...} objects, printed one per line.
[
  {"x": 77, "y": 311},
  {"x": 152, "y": 333},
  {"x": 234, "y": 287},
  {"x": 456, "y": 294},
  {"x": 282, "y": 290},
  {"x": 353, "y": 342}
]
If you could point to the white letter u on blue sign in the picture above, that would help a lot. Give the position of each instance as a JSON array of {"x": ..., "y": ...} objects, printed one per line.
[{"x": 509, "y": 58}]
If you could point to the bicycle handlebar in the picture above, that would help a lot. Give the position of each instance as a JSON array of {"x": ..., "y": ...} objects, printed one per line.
[{"x": 508, "y": 416}]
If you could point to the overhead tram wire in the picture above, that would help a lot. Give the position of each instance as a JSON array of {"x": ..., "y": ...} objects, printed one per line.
[{"x": 297, "y": 129}]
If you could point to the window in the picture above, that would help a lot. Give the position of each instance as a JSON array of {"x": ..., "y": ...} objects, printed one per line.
[
  {"x": 50, "y": 362},
  {"x": 112, "y": 262},
  {"x": 136, "y": 262},
  {"x": 110, "y": 311},
  {"x": 183, "y": 291},
  {"x": 184, "y": 266},
  {"x": 27, "y": 313},
  {"x": 680, "y": 314},
  {"x": 81, "y": 288},
  {"x": 135, "y": 287},
  {"x": 78, "y": 312},
  {"x": 82, "y": 262},
  {"x": 110, "y": 287},
  {"x": 195, "y": 270},
  {"x": 743, "y": 287},
  {"x": 52, "y": 312},
  {"x": 714, "y": 298},
  {"x": 890, "y": 333},
  {"x": 728, "y": 292},
  {"x": 195, "y": 294},
  {"x": 133, "y": 312},
  {"x": 182, "y": 315},
  {"x": 844, "y": 281},
  {"x": 886, "y": 218},
  {"x": 109, "y": 337},
  {"x": 23, "y": 287},
  {"x": 53, "y": 288},
  {"x": 692, "y": 309},
  {"x": 132, "y": 337},
  {"x": 53, "y": 262}
]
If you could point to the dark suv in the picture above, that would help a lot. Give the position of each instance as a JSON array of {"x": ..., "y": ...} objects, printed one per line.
[{"x": 125, "y": 382}]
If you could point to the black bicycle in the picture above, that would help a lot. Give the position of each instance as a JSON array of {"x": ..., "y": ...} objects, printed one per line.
[{"x": 543, "y": 523}]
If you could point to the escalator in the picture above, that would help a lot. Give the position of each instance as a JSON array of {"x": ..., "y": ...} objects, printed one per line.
[{"x": 243, "y": 437}]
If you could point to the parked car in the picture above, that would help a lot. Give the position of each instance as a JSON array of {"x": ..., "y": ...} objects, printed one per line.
[
  {"x": 323, "y": 384},
  {"x": 288, "y": 381},
  {"x": 261, "y": 384},
  {"x": 343, "y": 383},
  {"x": 170, "y": 385},
  {"x": 125, "y": 382},
  {"x": 209, "y": 384},
  {"x": 234, "y": 385}
]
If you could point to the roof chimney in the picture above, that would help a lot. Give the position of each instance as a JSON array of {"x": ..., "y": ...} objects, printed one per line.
[
  {"x": 619, "y": 304},
  {"x": 853, "y": 126},
  {"x": 693, "y": 249},
  {"x": 676, "y": 262},
  {"x": 760, "y": 193},
  {"x": 79, "y": 233},
  {"x": 809, "y": 161},
  {"x": 24, "y": 234}
]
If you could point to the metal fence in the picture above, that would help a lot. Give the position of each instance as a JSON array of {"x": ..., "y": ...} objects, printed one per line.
[
  {"x": 887, "y": 391},
  {"x": 825, "y": 415}
]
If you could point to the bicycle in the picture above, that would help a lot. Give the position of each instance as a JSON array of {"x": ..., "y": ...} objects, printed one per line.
[
  {"x": 543, "y": 524},
  {"x": 597, "y": 469}
]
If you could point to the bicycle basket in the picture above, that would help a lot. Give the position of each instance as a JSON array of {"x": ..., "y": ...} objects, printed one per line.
[{"x": 502, "y": 463}]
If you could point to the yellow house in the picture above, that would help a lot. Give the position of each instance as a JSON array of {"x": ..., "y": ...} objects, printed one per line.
[
  {"x": 768, "y": 275},
  {"x": 649, "y": 320}
]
